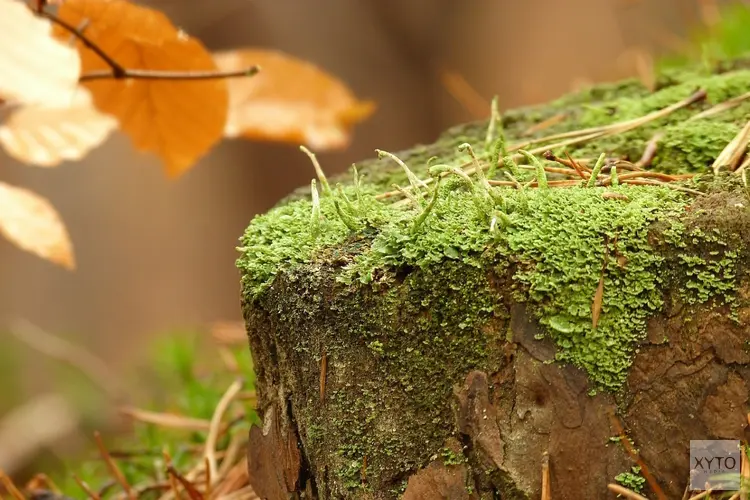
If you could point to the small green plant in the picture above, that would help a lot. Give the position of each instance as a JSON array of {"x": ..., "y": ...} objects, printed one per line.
[
  {"x": 450, "y": 457},
  {"x": 632, "y": 480},
  {"x": 173, "y": 430}
]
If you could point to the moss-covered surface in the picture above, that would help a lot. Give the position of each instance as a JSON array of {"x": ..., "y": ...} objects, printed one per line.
[{"x": 405, "y": 298}]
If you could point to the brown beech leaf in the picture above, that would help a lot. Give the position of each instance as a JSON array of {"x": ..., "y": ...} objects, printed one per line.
[
  {"x": 45, "y": 135},
  {"x": 179, "y": 120},
  {"x": 31, "y": 223},
  {"x": 290, "y": 100},
  {"x": 35, "y": 68}
]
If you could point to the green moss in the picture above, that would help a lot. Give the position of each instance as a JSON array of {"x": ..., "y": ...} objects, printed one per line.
[
  {"x": 549, "y": 240},
  {"x": 286, "y": 237},
  {"x": 546, "y": 234},
  {"x": 560, "y": 263},
  {"x": 418, "y": 349},
  {"x": 709, "y": 278},
  {"x": 603, "y": 93},
  {"x": 686, "y": 146},
  {"x": 407, "y": 297},
  {"x": 706, "y": 261},
  {"x": 450, "y": 457},
  {"x": 693, "y": 146}
]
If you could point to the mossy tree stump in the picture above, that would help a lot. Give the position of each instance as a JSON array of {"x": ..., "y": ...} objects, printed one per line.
[{"x": 440, "y": 345}]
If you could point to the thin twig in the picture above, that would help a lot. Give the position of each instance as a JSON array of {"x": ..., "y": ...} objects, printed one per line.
[
  {"x": 108, "y": 485},
  {"x": 7, "y": 482},
  {"x": 78, "y": 357},
  {"x": 639, "y": 175},
  {"x": 112, "y": 466},
  {"x": 649, "y": 152},
  {"x": 577, "y": 136},
  {"x": 552, "y": 170},
  {"x": 233, "y": 449},
  {"x": 213, "y": 433},
  {"x": 744, "y": 471},
  {"x": 745, "y": 163},
  {"x": 86, "y": 488},
  {"x": 155, "y": 74},
  {"x": 464, "y": 93},
  {"x": 653, "y": 484},
  {"x": 166, "y": 419},
  {"x": 227, "y": 357},
  {"x": 229, "y": 332},
  {"x": 702, "y": 495},
  {"x": 721, "y": 107},
  {"x": 546, "y": 491},
  {"x": 172, "y": 479},
  {"x": 186, "y": 483},
  {"x": 545, "y": 124},
  {"x": 627, "y": 125},
  {"x": 646, "y": 182},
  {"x": 323, "y": 374},
  {"x": 190, "y": 476},
  {"x": 576, "y": 166},
  {"x": 209, "y": 478},
  {"x": 621, "y": 490},
  {"x": 732, "y": 153},
  {"x": 245, "y": 493},
  {"x": 560, "y": 183},
  {"x": 119, "y": 72},
  {"x": 235, "y": 478}
]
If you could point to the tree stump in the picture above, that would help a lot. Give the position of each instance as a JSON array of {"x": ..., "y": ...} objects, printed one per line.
[{"x": 445, "y": 339}]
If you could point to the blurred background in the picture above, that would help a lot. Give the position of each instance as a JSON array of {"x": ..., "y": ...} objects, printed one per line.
[{"x": 156, "y": 255}]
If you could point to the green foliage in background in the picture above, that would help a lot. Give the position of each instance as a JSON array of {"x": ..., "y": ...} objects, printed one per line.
[
  {"x": 181, "y": 375},
  {"x": 729, "y": 38}
]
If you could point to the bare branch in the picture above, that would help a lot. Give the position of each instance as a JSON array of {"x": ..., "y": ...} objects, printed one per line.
[{"x": 155, "y": 74}]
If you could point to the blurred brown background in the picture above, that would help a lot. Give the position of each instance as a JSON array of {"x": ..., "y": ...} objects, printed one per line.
[{"x": 157, "y": 255}]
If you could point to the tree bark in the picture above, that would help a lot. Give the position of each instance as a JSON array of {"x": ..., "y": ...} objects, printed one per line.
[{"x": 444, "y": 350}]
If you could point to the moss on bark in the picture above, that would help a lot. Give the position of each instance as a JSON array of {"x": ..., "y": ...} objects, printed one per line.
[{"x": 380, "y": 329}]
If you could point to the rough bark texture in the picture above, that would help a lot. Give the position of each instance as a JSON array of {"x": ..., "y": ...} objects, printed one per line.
[{"x": 443, "y": 358}]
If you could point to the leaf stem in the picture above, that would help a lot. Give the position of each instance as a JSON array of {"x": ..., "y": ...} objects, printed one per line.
[
  {"x": 155, "y": 74},
  {"x": 119, "y": 72},
  {"x": 117, "y": 69}
]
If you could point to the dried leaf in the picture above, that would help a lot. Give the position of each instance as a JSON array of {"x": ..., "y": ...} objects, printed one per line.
[
  {"x": 179, "y": 120},
  {"x": 30, "y": 222},
  {"x": 289, "y": 100},
  {"x": 596, "y": 307},
  {"x": 464, "y": 93},
  {"x": 35, "y": 68},
  {"x": 46, "y": 135},
  {"x": 192, "y": 491}
]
